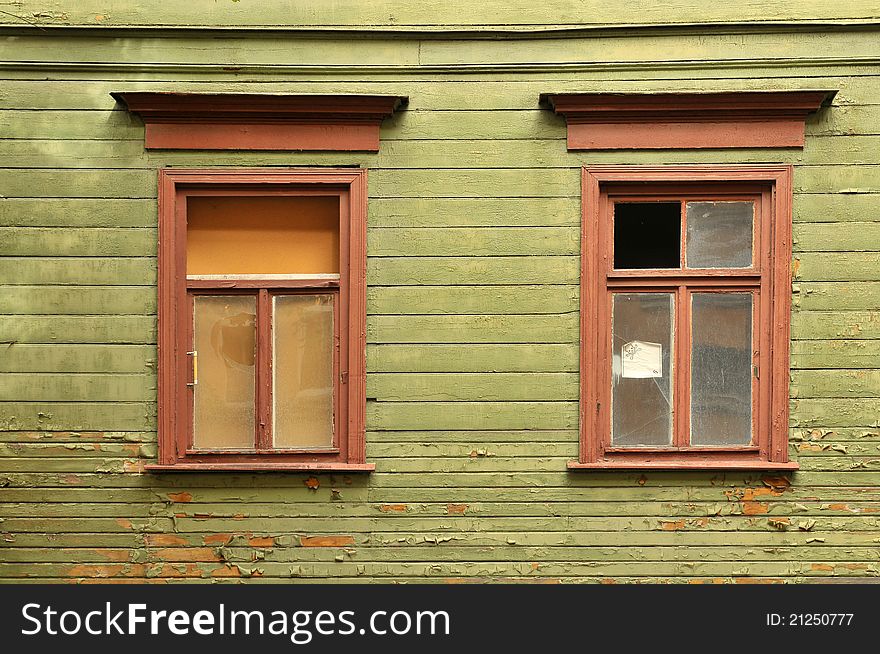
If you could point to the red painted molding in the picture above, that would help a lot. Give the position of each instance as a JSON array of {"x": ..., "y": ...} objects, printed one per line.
[
  {"x": 650, "y": 121},
  {"x": 197, "y": 121},
  {"x": 771, "y": 277},
  {"x": 175, "y": 317}
]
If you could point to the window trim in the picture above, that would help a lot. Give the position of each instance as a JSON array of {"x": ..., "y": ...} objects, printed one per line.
[
  {"x": 771, "y": 429},
  {"x": 350, "y": 185}
]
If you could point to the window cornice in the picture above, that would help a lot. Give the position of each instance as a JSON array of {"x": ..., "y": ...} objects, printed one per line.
[
  {"x": 737, "y": 119},
  {"x": 210, "y": 121}
]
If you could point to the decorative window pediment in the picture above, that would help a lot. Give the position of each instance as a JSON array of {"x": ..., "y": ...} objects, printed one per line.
[
  {"x": 197, "y": 121},
  {"x": 651, "y": 121}
]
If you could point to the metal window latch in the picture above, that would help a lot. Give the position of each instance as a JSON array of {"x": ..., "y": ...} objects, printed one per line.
[
  {"x": 195, "y": 369},
  {"x": 757, "y": 376}
]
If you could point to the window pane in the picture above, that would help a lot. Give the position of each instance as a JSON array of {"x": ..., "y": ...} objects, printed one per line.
[
  {"x": 719, "y": 234},
  {"x": 721, "y": 369},
  {"x": 224, "y": 329},
  {"x": 641, "y": 385},
  {"x": 303, "y": 371},
  {"x": 229, "y": 235},
  {"x": 647, "y": 234}
]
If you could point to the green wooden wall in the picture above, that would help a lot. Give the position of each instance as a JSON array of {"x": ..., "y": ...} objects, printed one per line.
[{"x": 473, "y": 296}]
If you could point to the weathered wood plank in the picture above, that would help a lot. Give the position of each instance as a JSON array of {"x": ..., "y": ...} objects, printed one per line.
[
  {"x": 471, "y": 270},
  {"x": 467, "y": 242},
  {"x": 78, "y": 358},
  {"x": 450, "y": 525},
  {"x": 474, "y": 212},
  {"x": 402, "y": 212},
  {"x": 475, "y": 182},
  {"x": 81, "y": 387},
  {"x": 835, "y": 354},
  {"x": 76, "y": 415},
  {"x": 78, "y": 183},
  {"x": 113, "y": 300},
  {"x": 447, "y": 553},
  {"x": 71, "y": 271},
  {"x": 50, "y": 124},
  {"x": 842, "y": 207},
  {"x": 835, "y": 383},
  {"x": 472, "y": 387},
  {"x": 835, "y": 324},
  {"x": 55, "y": 329},
  {"x": 439, "y": 153},
  {"x": 836, "y": 266},
  {"x": 828, "y": 296},
  {"x": 431, "y": 94},
  {"x": 474, "y": 358},
  {"x": 837, "y": 237},
  {"x": 840, "y": 179},
  {"x": 229, "y": 50},
  {"x": 78, "y": 212},
  {"x": 397, "y": 13},
  {"x": 852, "y": 498},
  {"x": 408, "y": 51},
  {"x": 490, "y": 509},
  {"x": 471, "y": 415},
  {"x": 92, "y": 241},
  {"x": 837, "y": 412},
  {"x": 471, "y": 299},
  {"x": 528, "y": 123},
  {"x": 533, "y": 328},
  {"x": 823, "y": 483}
]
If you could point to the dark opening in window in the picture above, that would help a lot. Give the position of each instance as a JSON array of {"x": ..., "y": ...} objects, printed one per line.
[{"x": 647, "y": 234}]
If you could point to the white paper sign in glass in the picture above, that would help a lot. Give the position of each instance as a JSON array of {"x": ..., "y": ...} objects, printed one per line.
[{"x": 641, "y": 360}]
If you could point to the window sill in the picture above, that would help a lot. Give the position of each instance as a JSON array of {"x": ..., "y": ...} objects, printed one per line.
[
  {"x": 684, "y": 465},
  {"x": 267, "y": 466}
]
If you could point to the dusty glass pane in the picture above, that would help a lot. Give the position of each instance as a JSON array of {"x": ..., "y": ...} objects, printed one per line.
[
  {"x": 721, "y": 369},
  {"x": 223, "y": 400},
  {"x": 641, "y": 384},
  {"x": 303, "y": 371},
  {"x": 719, "y": 234}
]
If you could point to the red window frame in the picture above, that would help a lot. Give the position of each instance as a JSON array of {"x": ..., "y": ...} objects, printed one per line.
[
  {"x": 176, "y": 292},
  {"x": 768, "y": 279}
]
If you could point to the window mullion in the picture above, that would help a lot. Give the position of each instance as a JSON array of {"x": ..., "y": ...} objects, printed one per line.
[
  {"x": 681, "y": 347},
  {"x": 263, "y": 436}
]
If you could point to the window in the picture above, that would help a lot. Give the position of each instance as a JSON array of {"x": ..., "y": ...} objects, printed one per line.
[
  {"x": 262, "y": 319},
  {"x": 685, "y": 317}
]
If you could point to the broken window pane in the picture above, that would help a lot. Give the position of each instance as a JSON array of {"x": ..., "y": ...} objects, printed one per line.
[
  {"x": 224, "y": 330},
  {"x": 641, "y": 384},
  {"x": 719, "y": 234},
  {"x": 647, "y": 234},
  {"x": 721, "y": 369},
  {"x": 303, "y": 371}
]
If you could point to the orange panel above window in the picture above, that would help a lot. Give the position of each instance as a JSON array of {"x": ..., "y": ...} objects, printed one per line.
[
  {"x": 652, "y": 121},
  {"x": 212, "y": 121},
  {"x": 251, "y": 235}
]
